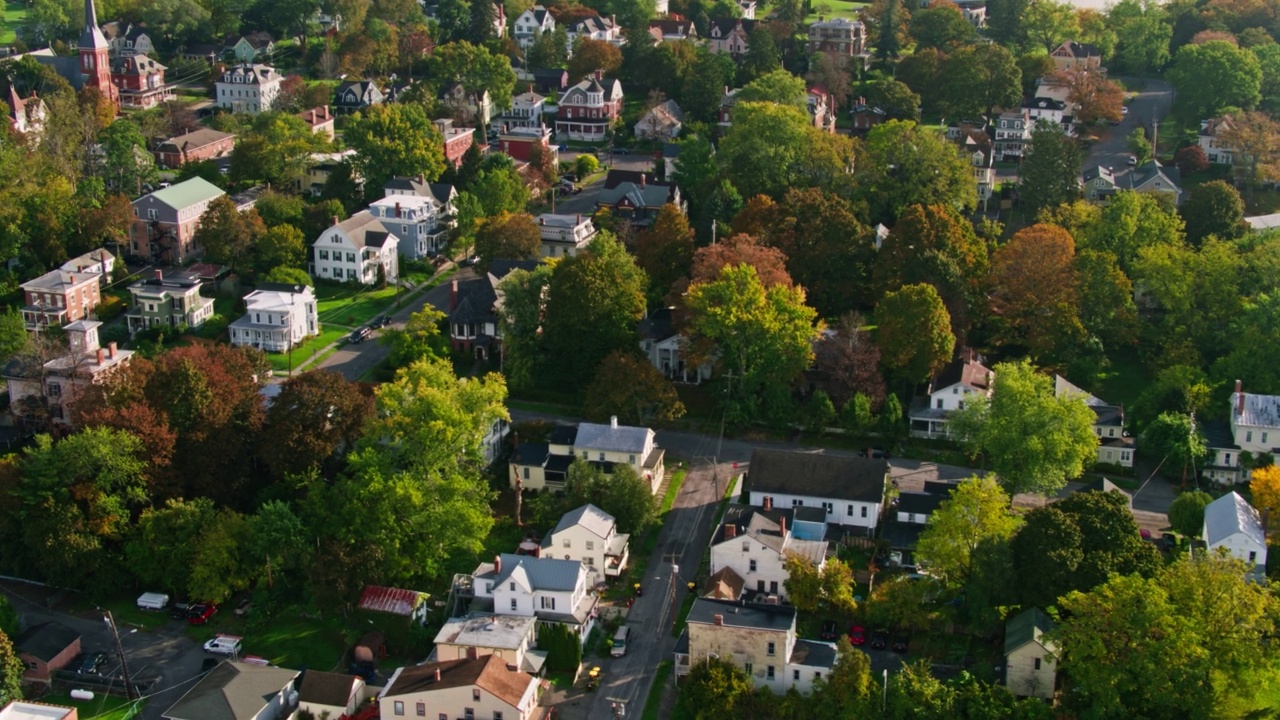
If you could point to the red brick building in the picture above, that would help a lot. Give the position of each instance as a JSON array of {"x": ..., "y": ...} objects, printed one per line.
[
  {"x": 456, "y": 140},
  {"x": 195, "y": 146},
  {"x": 517, "y": 142},
  {"x": 45, "y": 649},
  {"x": 140, "y": 81},
  {"x": 319, "y": 119},
  {"x": 60, "y": 297},
  {"x": 586, "y": 110}
]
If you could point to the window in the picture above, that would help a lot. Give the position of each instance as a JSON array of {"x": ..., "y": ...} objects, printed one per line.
[
  {"x": 526, "y": 473},
  {"x": 864, "y": 511},
  {"x": 324, "y": 254},
  {"x": 746, "y": 546},
  {"x": 747, "y": 667},
  {"x": 497, "y": 715},
  {"x": 795, "y": 674},
  {"x": 589, "y": 561},
  {"x": 566, "y": 542},
  {"x": 770, "y": 651},
  {"x": 591, "y": 545},
  {"x": 817, "y": 674},
  {"x": 55, "y": 389},
  {"x": 797, "y": 503},
  {"x": 1253, "y": 556},
  {"x": 632, "y": 458},
  {"x": 1248, "y": 436},
  {"x": 600, "y": 457},
  {"x": 422, "y": 709},
  {"x": 399, "y": 707},
  {"x": 768, "y": 672},
  {"x": 1037, "y": 663},
  {"x": 468, "y": 714},
  {"x": 475, "y": 695},
  {"x": 548, "y": 603},
  {"x": 752, "y": 568},
  {"x": 444, "y": 716},
  {"x": 849, "y": 510},
  {"x": 152, "y": 215},
  {"x": 1124, "y": 456},
  {"x": 514, "y": 606},
  {"x": 829, "y": 507},
  {"x": 511, "y": 587},
  {"x": 1226, "y": 459},
  {"x": 939, "y": 403},
  {"x": 955, "y": 391},
  {"x": 351, "y": 257}
]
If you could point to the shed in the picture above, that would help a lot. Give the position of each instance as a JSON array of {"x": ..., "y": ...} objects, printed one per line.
[
  {"x": 396, "y": 601},
  {"x": 45, "y": 649},
  {"x": 1031, "y": 664}
]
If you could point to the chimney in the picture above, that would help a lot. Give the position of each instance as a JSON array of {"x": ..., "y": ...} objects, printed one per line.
[
  {"x": 613, "y": 421},
  {"x": 453, "y": 295},
  {"x": 782, "y": 526},
  {"x": 718, "y": 619},
  {"x": 642, "y": 179},
  {"x": 397, "y": 209},
  {"x": 1239, "y": 399},
  {"x": 111, "y": 350},
  {"x": 730, "y": 531},
  {"x": 311, "y": 116},
  {"x": 102, "y": 355},
  {"x": 542, "y": 221},
  {"x": 437, "y": 674},
  {"x": 421, "y": 178},
  {"x": 497, "y": 564},
  {"x": 159, "y": 274},
  {"x": 579, "y": 218},
  {"x": 768, "y": 503},
  {"x": 600, "y": 74},
  {"x": 335, "y": 220}
]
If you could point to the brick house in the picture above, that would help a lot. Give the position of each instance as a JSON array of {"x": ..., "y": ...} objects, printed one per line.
[
  {"x": 59, "y": 297},
  {"x": 473, "y": 317},
  {"x": 320, "y": 120},
  {"x": 844, "y": 38},
  {"x": 456, "y": 140},
  {"x": 39, "y": 393},
  {"x": 519, "y": 142},
  {"x": 165, "y": 221},
  {"x": 140, "y": 80},
  {"x": 45, "y": 649},
  {"x": 586, "y": 110},
  {"x": 195, "y": 146}
]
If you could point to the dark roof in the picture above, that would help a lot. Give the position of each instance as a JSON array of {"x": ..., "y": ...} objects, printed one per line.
[
  {"x": 817, "y": 475},
  {"x": 919, "y": 503},
  {"x": 727, "y": 25},
  {"x": 1081, "y": 50},
  {"x": 530, "y": 454},
  {"x": 1217, "y": 434},
  {"x": 46, "y": 640},
  {"x": 811, "y": 653},
  {"x": 1025, "y": 627},
  {"x": 326, "y": 688},
  {"x": 563, "y": 435},
  {"x": 809, "y": 513},
  {"x": 741, "y": 516},
  {"x": 777, "y": 618},
  {"x": 232, "y": 691},
  {"x": 657, "y": 325},
  {"x": 376, "y": 239},
  {"x": 614, "y": 178}
]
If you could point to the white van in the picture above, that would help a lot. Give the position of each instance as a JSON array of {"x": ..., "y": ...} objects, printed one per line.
[
  {"x": 223, "y": 645},
  {"x": 153, "y": 601},
  {"x": 620, "y": 641}
]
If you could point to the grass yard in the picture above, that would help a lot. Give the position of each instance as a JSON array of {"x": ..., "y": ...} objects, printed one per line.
[
  {"x": 14, "y": 13},
  {"x": 1123, "y": 381},
  {"x": 836, "y": 8},
  {"x": 101, "y": 707},
  {"x": 216, "y": 326},
  {"x": 304, "y": 352},
  {"x": 286, "y": 640},
  {"x": 344, "y": 305}
]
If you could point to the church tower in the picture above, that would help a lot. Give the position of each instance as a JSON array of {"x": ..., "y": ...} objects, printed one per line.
[{"x": 95, "y": 61}]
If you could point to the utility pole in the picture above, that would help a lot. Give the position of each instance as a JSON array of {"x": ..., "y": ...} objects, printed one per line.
[
  {"x": 129, "y": 690},
  {"x": 715, "y": 468}
]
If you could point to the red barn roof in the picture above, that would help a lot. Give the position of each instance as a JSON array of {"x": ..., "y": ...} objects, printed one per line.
[{"x": 390, "y": 600}]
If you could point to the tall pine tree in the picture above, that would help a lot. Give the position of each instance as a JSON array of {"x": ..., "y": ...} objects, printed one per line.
[{"x": 889, "y": 45}]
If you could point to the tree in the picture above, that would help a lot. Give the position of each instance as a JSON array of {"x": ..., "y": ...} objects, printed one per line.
[
  {"x": 891, "y": 18},
  {"x": 1214, "y": 76},
  {"x": 1130, "y": 222},
  {"x": 1033, "y": 440},
  {"x": 277, "y": 208},
  {"x": 803, "y": 583},
  {"x": 316, "y": 415},
  {"x": 913, "y": 331},
  {"x": 507, "y": 237},
  {"x": 11, "y": 670},
  {"x": 704, "y": 86},
  {"x": 226, "y": 233},
  {"x": 592, "y": 55},
  {"x": 499, "y": 187},
  {"x": 1140, "y": 145},
  {"x": 896, "y": 100},
  {"x": 628, "y": 387},
  {"x": 276, "y": 149},
  {"x": 1050, "y": 170},
  {"x": 902, "y": 164},
  {"x": 592, "y": 305},
  {"x": 829, "y": 251},
  {"x": 941, "y": 26},
  {"x": 1048, "y": 23},
  {"x": 1107, "y": 309},
  {"x": 421, "y": 337},
  {"x": 1191, "y": 159},
  {"x": 1093, "y": 95},
  {"x": 1034, "y": 295},
  {"x": 1005, "y": 21},
  {"x": 761, "y": 57},
  {"x": 623, "y": 494},
  {"x": 762, "y": 337},
  {"x": 777, "y": 86},
  {"x": 8, "y": 619},
  {"x": 278, "y": 540},
  {"x": 125, "y": 163},
  {"x": 769, "y": 263},
  {"x": 482, "y": 22},
  {"x": 289, "y": 276},
  {"x": 826, "y": 71},
  {"x": 1254, "y": 139},
  {"x": 280, "y": 246},
  {"x": 980, "y": 78},
  {"x": 394, "y": 139},
  {"x": 665, "y": 250},
  {"x": 713, "y": 686},
  {"x": 160, "y": 550},
  {"x": 548, "y": 50},
  {"x": 1186, "y": 513},
  {"x": 977, "y": 511},
  {"x": 13, "y": 333},
  {"x": 772, "y": 148},
  {"x": 1174, "y": 438},
  {"x": 1142, "y": 32},
  {"x": 1213, "y": 208},
  {"x": 849, "y": 364},
  {"x": 520, "y": 320}
]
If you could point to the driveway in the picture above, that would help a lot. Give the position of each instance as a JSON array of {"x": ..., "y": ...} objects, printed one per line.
[
  {"x": 585, "y": 202},
  {"x": 1152, "y": 104}
]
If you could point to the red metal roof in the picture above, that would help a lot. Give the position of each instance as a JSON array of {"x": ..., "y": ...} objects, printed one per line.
[{"x": 390, "y": 600}]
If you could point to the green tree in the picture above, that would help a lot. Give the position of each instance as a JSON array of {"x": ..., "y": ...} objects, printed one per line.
[
  {"x": 848, "y": 690},
  {"x": 420, "y": 338},
  {"x": 628, "y": 387},
  {"x": 1143, "y": 31},
  {"x": 772, "y": 148},
  {"x": 1048, "y": 23},
  {"x": 1033, "y": 440},
  {"x": 980, "y": 78},
  {"x": 278, "y": 544},
  {"x": 160, "y": 550},
  {"x": 548, "y": 51},
  {"x": 665, "y": 250},
  {"x": 624, "y": 494},
  {"x": 1107, "y": 309},
  {"x": 1186, "y": 513},
  {"x": 586, "y": 165},
  {"x": 1213, "y": 208},
  {"x": 507, "y": 237},
  {"x": 280, "y": 246},
  {"x": 1174, "y": 438},
  {"x": 499, "y": 187},
  {"x": 8, "y": 618},
  {"x": 714, "y": 686},
  {"x": 941, "y": 27},
  {"x": 704, "y": 86},
  {"x": 1213, "y": 76},
  {"x": 1130, "y": 222},
  {"x": 761, "y": 58},
  {"x": 913, "y": 332},
  {"x": 1049, "y": 172},
  {"x": 220, "y": 565},
  {"x": 277, "y": 208},
  {"x": 761, "y": 337},
  {"x": 889, "y": 45},
  {"x": 1005, "y": 21},
  {"x": 11, "y": 670},
  {"x": 125, "y": 163},
  {"x": 903, "y": 164},
  {"x": 391, "y": 140},
  {"x": 520, "y": 319},
  {"x": 777, "y": 86},
  {"x": 896, "y": 99},
  {"x": 289, "y": 276},
  {"x": 13, "y": 333},
  {"x": 977, "y": 511},
  {"x": 1140, "y": 146},
  {"x": 226, "y": 233},
  {"x": 803, "y": 583},
  {"x": 275, "y": 149}
]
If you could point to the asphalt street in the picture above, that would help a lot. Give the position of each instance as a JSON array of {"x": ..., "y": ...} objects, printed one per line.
[
  {"x": 1150, "y": 105},
  {"x": 585, "y": 202}
]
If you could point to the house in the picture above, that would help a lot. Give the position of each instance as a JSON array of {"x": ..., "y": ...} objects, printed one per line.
[
  {"x": 195, "y": 146},
  {"x": 975, "y": 11},
  {"x": 535, "y": 466},
  {"x": 248, "y": 88},
  {"x": 550, "y": 589},
  {"x": 473, "y": 310},
  {"x": 728, "y": 99},
  {"x": 46, "y": 392},
  {"x": 321, "y": 166},
  {"x": 464, "y": 104},
  {"x": 354, "y": 249},
  {"x": 202, "y": 52},
  {"x": 354, "y": 95},
  {"x": 758, "y": 638},
  {"x": 140, "y": 81},
  {"x": 320, "y": 120},
  {"x": 1013, "y": 134},
  {"x": 1259, "y": 223},
  {"x": 127, "y": 39},
  {"x": 526, "y": 111},
  {"x": 586, "y": 110},
  {"x": 724, "y": 584},
  {"x": 665, "y": 348},
  {"x": 629, "y": 195},
  {"x": 865, "y": 116},
  {"x": 662, "y": 122},
  {"x": 915, "y": 507},
  {"x": 20, "y": 710},
  {"x": 849, "y": 489},
  {"x": 947, "y": 393},
  {"x": 729, "y": 35},
  {"x": 59, "y": 297},
  {"x": 588, "y": 534},
  {"x": 1030, "y": 659},
  {"x": 1043, "y": 109},
  {"x": 91, "y": 65},
  {"x": 531, "y": 24},
  {"x": 1072, "y": 55},
  {"x": 822, "y": 109},
  {"x": 1254, "y": 420},
  {"x": 756, "y": 543},
  {"x": 332, "y": 695},
  {"x": 594, "y": 27},
  {"x": 482, "y": 687},
  {"x": 457, "y": 140},
  {"x": 1100, "y": 183},
  {"x": 670, "y": 151},
  {"x": 518, "y": 142},
  {"x": 395, "y": 601},
  {"x": 277, "y": 318},
  {"x": 422, "y": 222},
  {"x": 100, "y": 263},
  {"x": 845, "y": 39},
  {"x": 564, "y": 235},
  {"x": 550, "y": 81},
  {"x": 252, "y": 47},
  {"x": 1115, "y": 446},
  {"x": 1210, "y": 139},
  {"x": 26, "y": 116},
  {"x": 976, "y": 145},
  {"x": 237, "y": 691},
  {"x": 1233, "y": 525},
  {"x": 170, "y": 299},
  {"x": 513, "y": 638},
  {"x": 45, "y": 649},
  {"x": 669, "y": 30}
]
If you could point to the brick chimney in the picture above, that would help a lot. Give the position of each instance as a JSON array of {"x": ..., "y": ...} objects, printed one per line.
[
  {"x": 497, "y": 564},
  {"x": 1239, "y": 398},
  {"x": 453, "y": 295},
  {"x": 730, "y": 531},
  {"x": 421, "y": 178},
  {"x": 542, "y": 221},
  {"x": 642, "y": 179},
  {"x": 437, "y": 674},
  {"x": 397, "y": 209},
  {"x": 599, "y": 74},
  {"x": 335, "y": 220},
  {"x": 111, "y": 350},
  {"x": 311, "y": 116},
  {"x": 102, "y": 355},
  {"x": 768, "y": 503},
  {"x": 718, "y": 619},
  {"x": 782, "y": 526},
  {"x": 159, "y": 274}
]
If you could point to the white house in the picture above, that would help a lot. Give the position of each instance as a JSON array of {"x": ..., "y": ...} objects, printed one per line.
[
  {"x": 352, "y": 251},
  {"x": 756, "y": 542},
  {"x": 850, "y": 490},
  {"x": 531, "y": 24},
  {"x": 594, "y": 27},
  {"x": 544, "y": 465},
  {"x": 663, "y": 122},
  {"x": 947, "y": 393},
  {"x": 1231, "y": 523},
  {"x": 589, "y": 535},
  {"x": 336, "y": 694},
  {"x": 276, "y": 318},
  {"x": 478, "y": 688},
  {"x": 565, "y": 235},
  {"x": 549, "y": 589},
  {"x": 1210, "y": 140},
  {"x": 421, "y": 222},
  {"x": 1013, "y": 133},
  {"x": 510, "y": 637},
  {"x": 96, "y": 262},
  {"x": 1115, "y": 446},
  {"x": 235, "y": 690},
  {"x": 1031, "y": 665},
  {"x": 248, "y": 88},
  {"x": 1254, "y": 423},
  {"x": 665, "y": 348},
  {"x": 526, "y": 111}
]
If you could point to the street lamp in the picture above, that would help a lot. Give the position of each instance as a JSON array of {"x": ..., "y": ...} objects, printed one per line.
[{"x": 130, "y": 692}]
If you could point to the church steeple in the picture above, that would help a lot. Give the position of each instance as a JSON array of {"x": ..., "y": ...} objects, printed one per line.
[
  {"x": 95, "y": 60},
  {"x": 91, "y": 37}
]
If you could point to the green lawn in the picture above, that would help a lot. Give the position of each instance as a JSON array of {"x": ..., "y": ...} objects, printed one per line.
[
  {"x": 14, "y": 13},
  {"x": 1123, "y": 381},
  {"x": 836, "y": 8},
  {"x": 216, "y": 325},
  {"x": 101, "y": 707},
  {"x": 304, "y": 352},
  {"x": 344, "y": 305},
  {"x": 286, "y": 640}
]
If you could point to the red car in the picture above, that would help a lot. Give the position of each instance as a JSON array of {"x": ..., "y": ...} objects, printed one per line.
[
  {"x": 857, "y": 635},
  {"x": 200, "y": 614}
]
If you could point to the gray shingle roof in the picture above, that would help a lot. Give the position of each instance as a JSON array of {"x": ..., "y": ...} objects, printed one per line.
[
  {"x": 326, "y": 688},
  {"x": 1231, "y": 515},
  {"x": 817, "y": 475},
  {"x": 1025, "y": 627},
  {"x": 542, "y": 573},
  {"x": 1259, "y": 410},
  {"x": 611, "y": 438},
  {"x": 812, "y": 653},
  {"x": 759, "y": 617},
  {"x": 46, "y": 640},
  {"x": 595, "y": 520},
  {"x": 231, "y": 691}
]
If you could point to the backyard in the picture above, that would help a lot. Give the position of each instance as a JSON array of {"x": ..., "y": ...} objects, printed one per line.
[
  {"x": 351, "y": 307},
  {"x": 14, "y": 13},
  {"x": 836, "y": 9},
  {"x": 101, "y": 707}
]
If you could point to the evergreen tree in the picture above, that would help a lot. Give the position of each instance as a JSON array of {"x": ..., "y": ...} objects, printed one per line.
[{"x": 889, "y": 45}]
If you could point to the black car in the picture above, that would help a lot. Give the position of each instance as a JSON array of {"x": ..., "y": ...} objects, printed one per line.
[
  {"x": 829, "y": 630},
  {"x": 874, "y": 453},
  {"x": 178, "y": 611},
  {"x": 382, "y": 321},
  {"x": 1169, "y": 542},
  {"x": 879, "y": 639},
  {"x": 90, "y": 663},
  {"x": 358, "y": 335},
  {"x": 901, "y": 641}
]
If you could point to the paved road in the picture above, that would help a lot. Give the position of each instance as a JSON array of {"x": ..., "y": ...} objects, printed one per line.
[
  {"x": 585, "y": 201},
  {"x": 1152, "y": 104}
]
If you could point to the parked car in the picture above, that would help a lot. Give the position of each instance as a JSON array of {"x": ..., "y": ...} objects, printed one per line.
[
  {"x": 200, "y": 614},
  {"x": 621, "y": 151},
  {"x": 244, "y": 607},
  {"x": 857, "y": 635},
  {"x": 1169, "y": 542},
  {"x": 223, "y": 645},
  {"x": 875, "y": 453},
  {"x": 472, "y": 261},
  {"x": 381, "y": 321},
  {"x": 358, "y": 335},
  {"x": 1132, "y": 160},
  {"x": 90, "y": 663},
  {"x": 879, "y": 639},
  {"x": 828, "y": 630},
  {"x": 901, "y": 641},
  {"x": 179, "y": 611}
]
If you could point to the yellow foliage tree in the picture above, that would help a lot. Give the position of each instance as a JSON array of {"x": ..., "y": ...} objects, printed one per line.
[{"x": 1265, "y": 487}]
